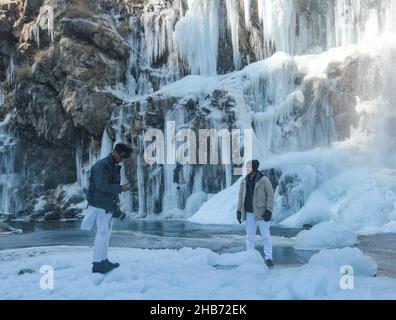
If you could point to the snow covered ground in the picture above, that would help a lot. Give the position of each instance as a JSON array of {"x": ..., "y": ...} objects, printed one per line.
[{"x": 188, "y": 274}]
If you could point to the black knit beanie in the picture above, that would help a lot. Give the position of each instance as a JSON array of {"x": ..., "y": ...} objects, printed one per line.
[{"x": 255, "y": 165}]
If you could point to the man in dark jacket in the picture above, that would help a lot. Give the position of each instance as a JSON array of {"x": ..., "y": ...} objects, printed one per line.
[{"x": 103, "y": 190}]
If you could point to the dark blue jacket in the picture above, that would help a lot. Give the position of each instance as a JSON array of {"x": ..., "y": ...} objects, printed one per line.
[{"x": 104, "y": 185}]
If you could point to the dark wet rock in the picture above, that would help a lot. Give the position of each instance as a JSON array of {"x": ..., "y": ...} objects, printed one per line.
[
  {"x": 70, "y": 213},
  {"x": 64, "y": 202},
  {"x": 102, "y": 36},
  {"x": 5, "y": 26},
  {"x": 31, "y": 8},
  {"x": 39, "y": 108},
  {"x": 4, "y": 227},
  {"x": 52, "y": 215},
  {"x": 25, "y": 271}
]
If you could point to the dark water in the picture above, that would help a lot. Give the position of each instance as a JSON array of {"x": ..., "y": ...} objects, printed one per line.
[
  {"x": 151, "y": 234},
  {"x": 170, "y": 234},
  {"x": 381, "y": 247}
]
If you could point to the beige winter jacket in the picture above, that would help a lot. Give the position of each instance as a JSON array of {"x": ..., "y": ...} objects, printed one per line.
[{"x": 263, "y": 198}]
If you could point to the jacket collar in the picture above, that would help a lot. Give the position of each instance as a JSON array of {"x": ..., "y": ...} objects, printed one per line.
[
  {"x": 110, "y": 159},
  {"x": 258, "y": 177}
]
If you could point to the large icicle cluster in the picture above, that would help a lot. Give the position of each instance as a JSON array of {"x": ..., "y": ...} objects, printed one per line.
[
  {"x": 8, "y": 178},
  {"x": 44, "y": 21},
  {"x": 197, "y": 36},
  {"x": 294, "y": 27}
]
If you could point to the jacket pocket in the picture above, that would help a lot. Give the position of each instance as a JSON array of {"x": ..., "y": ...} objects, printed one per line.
[
  {"x": 260, "y": 203},
  {"x": 259, "y": 196}
]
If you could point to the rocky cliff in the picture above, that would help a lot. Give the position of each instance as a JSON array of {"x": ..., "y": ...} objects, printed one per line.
[{"x": 58, "y": 56}]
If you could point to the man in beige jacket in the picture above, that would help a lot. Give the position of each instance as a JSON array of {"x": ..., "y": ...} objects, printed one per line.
[{"x": 255, "y": 206}]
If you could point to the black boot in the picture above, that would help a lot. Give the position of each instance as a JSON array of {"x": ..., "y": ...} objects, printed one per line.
[
  {"x": 269, "y": 264},
  {"x": 113, "y": 265},
  {"x": 101, "y": 267}
]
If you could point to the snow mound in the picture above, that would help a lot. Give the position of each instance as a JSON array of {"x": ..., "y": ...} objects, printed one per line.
[
  {"x": 219, "y": 209},
  {"x": 387, "y": 228},
  {"x": 313, "y": 213},
  {"x": 334, "y": 259},
  {"x": 194, "y": 202},
  {"x": 326, "y": 235}
]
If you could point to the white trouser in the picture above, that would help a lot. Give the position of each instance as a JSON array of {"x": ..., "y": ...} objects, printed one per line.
[
  {"x": 251, "y": 228},
  {"x": 104, "y": 225}
]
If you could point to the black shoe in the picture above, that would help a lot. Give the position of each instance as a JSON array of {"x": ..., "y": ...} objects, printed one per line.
[
  {"x": 101, "y": 267},
  {"x": 113, "y": 265},
  {"x": 269, "y": 263}
]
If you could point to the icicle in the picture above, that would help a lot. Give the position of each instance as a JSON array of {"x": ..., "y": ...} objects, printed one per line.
[
  {"x": 197, "y": 36},
  {"x": 158, "y": 26},
  {"x": 170, "y": 199},
  {"x": 248, "y": 22},
  {"x": 198, "y": 186},
  {"x": 106, "y": 145},
  {"x": 44, "y": 19},
  {"x": 84, "y": 168},
  {"x": 11, "y": 70},
  {"x": 116, "y": 18},
  {"x": 144, "y": 86},
  {"x": 79, "y": 165},
  {"x": 125, "y": 197},
  {"x": 181, "y": 10},
  {"x": 2, "y": 97},
  {"x": 50, "y": 23},
  {"x": 228, "y": 172},
  {"x": 233, "y": 24},
  {"x": 278, "y": 19},
  {"x": 346, "y": 21},
  {"x": 140, "y": 180},
  {"x": 356, "y": 21},
  {"x": 8, "y": 176},
  {"x": 132, "y": 63},
  {"x": 390, "y": 17}
]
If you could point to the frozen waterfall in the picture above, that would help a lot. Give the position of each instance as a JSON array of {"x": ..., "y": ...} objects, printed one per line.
[{"x": 279, "y": 67}]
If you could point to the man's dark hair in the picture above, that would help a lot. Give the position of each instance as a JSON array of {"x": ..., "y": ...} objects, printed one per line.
[{"x": 122, "y": 148}]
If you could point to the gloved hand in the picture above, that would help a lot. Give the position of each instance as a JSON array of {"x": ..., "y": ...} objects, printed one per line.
[
  {"x": 239, "y": 217},
  {"x": 267, "y": 216}
]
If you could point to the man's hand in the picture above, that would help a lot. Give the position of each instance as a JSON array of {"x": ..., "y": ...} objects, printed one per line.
[
  {"x": 267, "y": 216},
  {"x": 239, "y": 217},
  {"x": 125, "y": 188}
]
